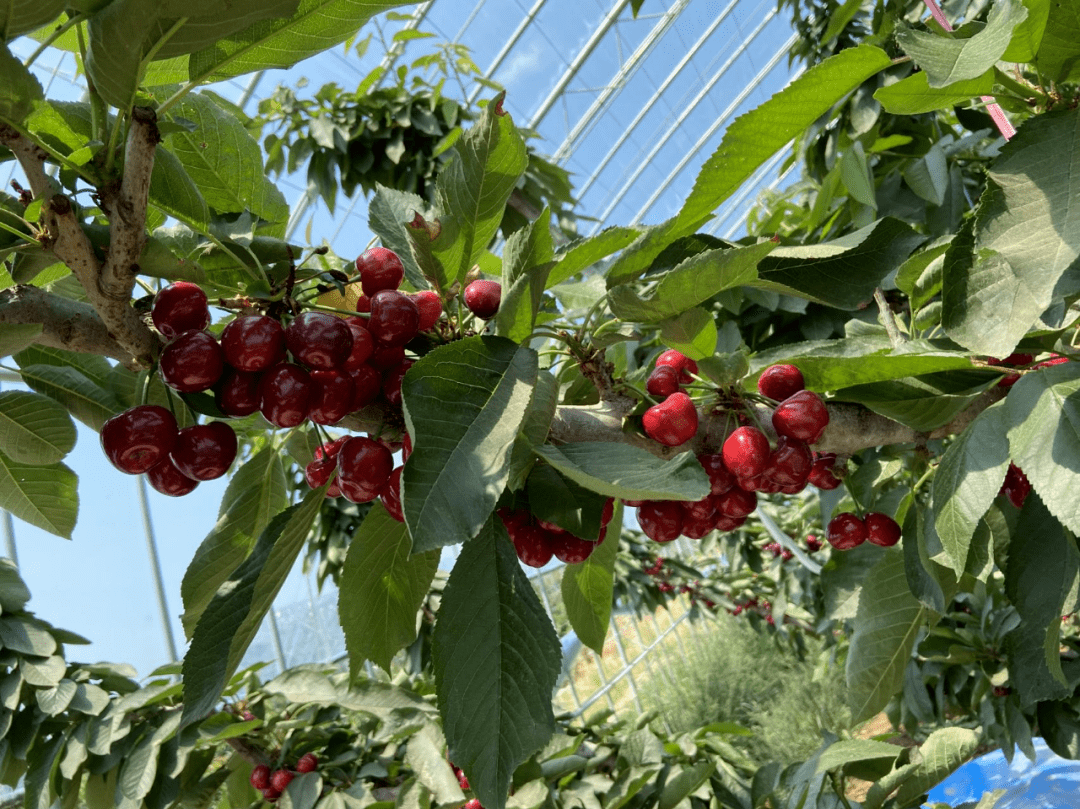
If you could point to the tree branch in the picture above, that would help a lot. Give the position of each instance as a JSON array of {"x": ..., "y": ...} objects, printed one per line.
[{"x": 65, "y": 323}]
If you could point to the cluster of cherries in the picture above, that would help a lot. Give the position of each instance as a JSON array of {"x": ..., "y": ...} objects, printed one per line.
[
  {"x": 319, "y": 367},
  {"x": 746, "y": 463},
  {"x": 272, "y": 783},
  {"x": 537, "y": 541},
  {"x": 847, "y": 530}
]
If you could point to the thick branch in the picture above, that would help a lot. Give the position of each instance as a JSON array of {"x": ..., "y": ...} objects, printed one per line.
[
  {"x": 31, "y": 158},
  {"x": 65, "y": 323}
]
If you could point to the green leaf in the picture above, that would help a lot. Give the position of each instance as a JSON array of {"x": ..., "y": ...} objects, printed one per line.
[
  {"x": 553, "y": 498},
  {"x": 588, "y": 589},
  {"x": 39, "y": 768},
  {"x": 999, "y": 280},
  {"x": 426, "y": 757},
  {"x": 843, "y": 272},
  {"x": 1027, "y": 36},
  {"x": 254, "y": 495},
  {"x": 1058, "y": 58},
  {"x": 232, "y": 618},
  {"x": 382, "y": 587},
  {"x": 13, "y": 591},
  {"x": 45, "y": 496},
  {"x": 933, "y": 584},
  {"x": 26, "y": 635},
  {"x": 1042, "y": 569},
  {"x": 23, "y": 16},
  {"x": 34, "y": 429},
  {"x": 852, "y": 361},
  {"x": 302, "y": 792},
  {"x": 14, "y": 337},
  {"x": 967, "y": 481},
  {"x": 225, "y": 161},
  {"x": 85, "y": 400},
  {"x": 683, "y": 781},
  {"x": 886, "y": 625},
  {"x": 583, "y": 253},
  {"x": 389, "y": 213},
  {"x": 174, "y": 192},
  {"x": 929, "y": 175},
  {"x": 749, "y": 141},
  {"x": 914, "y": 95},
  {"x": 627, "y": 472},
  {"x": 1043, "y": 410},
  {"x": 473, "y": 187},
  {"x": 19, "y": 88},
  {"x": 527, "y": 259},
  {"x": 317, "y": 26},
  {"x": 840, "y": 754},
  {"x": 694, "y": 281},
  {"x": 534, "y": 428},
  {"x": 842, "y": 579},
  {"x": 494, "y": 687},
  {"x": 948, "y": 59},
  {"x": 923, "y": 403},
  {"x": 464, "y": 404},
  {"x": 303, "y": 685}
]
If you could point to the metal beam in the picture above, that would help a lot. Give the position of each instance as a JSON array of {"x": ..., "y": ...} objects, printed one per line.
[
  {"x": 579, "y": 60},
  {"x": 592, "y": 115},
  {"x": 507, "y": 47},
  {"x": 674, "y": 74},
  {"x": 780, "y": 54},
  {"x": 155, "y": 569},
  {"x": 394, "y": 52}
]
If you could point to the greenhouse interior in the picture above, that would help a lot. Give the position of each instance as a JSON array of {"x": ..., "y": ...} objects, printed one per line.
[{"x": 528, "y": 404}]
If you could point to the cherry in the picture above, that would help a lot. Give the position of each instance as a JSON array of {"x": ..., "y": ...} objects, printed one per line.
[
  {"x": 363, "y": 304},
  {"x": 699, "y": 518},
  {"x": 237, "y": 393},
  {"x": 180, "y": 307},
  {"x": 285, "y": 395},
  {"x": 720, "y": 477},
  {"x": 367, "y": 383},
  {"x": 271, "y": 795},
  {"x": 1016, "y": 486},
  {"x": 703, "y": 508},
  {"x": 406, "y": 446},
  {"x": 192, "y": 362},
  {"x": 606, "y": 514},
  {"x": 802, "y": 415},
  {"x": 845, "y": 531},
  {"x": 253, "y": 342},
  {"x": 307, "y": 763},
  {"x": 319, "y": 340},
  {"x": 260, "y": 777},
  {"x": 205, "y": 451},
  {"x": 736, "y": 503},
  {"x": 790, "y": 463},
  {"x": 483, "y": 298},
  {"x": 821, "y": 473},
  {"x": 746, "y": 452},
  {"x": 725, "y": 523},
  {"x": 383, "y": 358},
  {"x": 331, "y": 448},
  {"x": 672, "y": 422},
  {"x": 680, "y": 362},
  {"x": 391, "y": 495},
  {"x": 429, "y": 305},
  {"x": 364, "y": 466},
  {"x": 661, "y": 520},
  {"x": 379, "y": 269},
  {"x": 169, "y": 480},
  {"x": 332, "y": 396},
  {"x": 279, "y": 779},
  {"x": 394, "y": 318},
  {"x": 881, "y": 529},
  {"x": 570, "y": 549},
  {"x": 663, "y": 381},
  {"x": 813, "y": 544},
  {"x": 320, "y": 470},
  {"x": 362, "y": 344},
  {"x": 778, "y": 382},
  {"x": 391, "y": 384},
  {"x": 139, "y": 438}
]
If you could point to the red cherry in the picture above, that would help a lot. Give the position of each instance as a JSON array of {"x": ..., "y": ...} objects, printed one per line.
[
  {"x": 802, "y": 415},
  {"x": 260, "y": 777},
  {"x": 367, "y": 384},
  {"x": 285, "y": 395},
  {"x": 680, "y": 362},
  {"x": 169, "y": 480},
  {"x": 704, "y": 508},
  {"x": 736, "y": 503},
  {"x": 362, "y": 344},
  {"x": 845, "y": 531},
  {"x": 570, "y": 549},
  {"x": 237, "y": 393},
  {"x": 720, "y": 478},
  {"x": 379, "y": 269},
  {"x": 429, "y": 305},
  {"x": 331, "y": 448},
  {"x": 391, "y": 384},
  {"x": 790, "y": 463},
  {"x": 406, "y": 447},
  {"x": 307, "y": 763},
  {"x": 180, "y": 307},
  {"x": 699, "y": 518},
  {"x": 279, "y": 779},
  {"x": 881, "y": 529},
  {"x": 364, "y": 466},
  {"x": 778, "y": 382},
  {"x": 822, "y": 472},
  {"x": 661, "y": 520},
  {"x": 813, "y": 544},
  {"x": 192, "y": 362},
  {"x": 1016, "y": 486},
  {"x": 672, "y": 422},
  {"x": 363, "y": 304},
  {"x": 332, "y": 396},
  {"x": 725, "y": 523},
  {"x": 139, "y": 438},
  {"x": 270, "y": 795},
  {"x": 391, "y": 495},
  {"x": 607, "y": 513},
  {"x": 253, "y": 342},
  {"x": 205, "y": 451},
  {"x": 746, "y": 452},
  {"x": 319, "y": 470},
  {"x": 394, "y": 319},
  {"x": 473, "y": 803},
  {"x": 483, "y": 298},
  {"x": 663, "y": 381},
  {"x": 320, "y": 341}
]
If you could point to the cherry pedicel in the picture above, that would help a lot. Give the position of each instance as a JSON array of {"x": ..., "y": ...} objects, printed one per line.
[
  {"x": 139, "y": 438},
  {"x": 192, "y": 362},
  {"x": 672, "y": 422},
  {"x": 778, "y": 382},
  {"x": 253, "y": 342},
  {"x": 180, "y": 307},
  {"x": 379, "y": 269}
]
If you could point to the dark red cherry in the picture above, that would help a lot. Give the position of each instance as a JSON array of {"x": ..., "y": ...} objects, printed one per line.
[
  {"x": 790, "y": 463},
  {"x": 319, "y": 340},
  {"x": 180, "y": 307},
  {"x": 332, "y": 396},
  {"x": 253, "y": 342},
  {"x": 205, "y": 451},
  {"x": 663, "y": 381},
  {"x": 661, "y": 520},
  {"x": 482, "y": 297},
  {"x": 394, "y": 319},
  {"x": 285, "y": 395},
  {"x": 169, "y": 480},
  {"x": 736, "y": 503},
  {"x": 780, "y": 381},
  {"x": 383, "y": 358},
  {"x": 192, "y": 362},
  {"x": 720, "y": 478},
  {"x": 802, "y": 415},
  {"x": 391, "y": 384},
  {"x": 237, "y": 393},
  {"x": 823, "y": 472},
  {"x": 379, "y": 269},
  {"x": 391, "y": 495},
  {"x": 139, "y": 438},
  {"x": 367, "y": 384},
  {"x": 845, "y": 531},
  {"x": 746, "y": 452},
  {"x": 430, "y": 307},
  {"x": 881, "y": 529},
  {"x": 532, "y": 544},
  {"x": 680, "y": 362},
  {"x": 362, "y": 344},
  {"x": 364, "y": 466}
]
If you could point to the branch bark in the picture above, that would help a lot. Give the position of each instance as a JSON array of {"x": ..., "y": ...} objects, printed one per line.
[{"x": 65, "y": 323}]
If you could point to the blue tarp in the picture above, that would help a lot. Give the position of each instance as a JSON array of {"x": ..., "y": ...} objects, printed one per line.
[{"x": 1050, "y": 782}]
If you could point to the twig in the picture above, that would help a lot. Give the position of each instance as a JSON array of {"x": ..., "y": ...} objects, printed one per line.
[{"x": 888, "y": 319}]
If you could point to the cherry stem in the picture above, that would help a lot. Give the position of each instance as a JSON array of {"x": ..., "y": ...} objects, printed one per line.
[
  {"x": 320, "y": 308},
  {"x": 144, "y": 387},
  {"x": 888, "y": 319}
]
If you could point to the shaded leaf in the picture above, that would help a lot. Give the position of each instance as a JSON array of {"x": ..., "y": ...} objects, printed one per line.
[{"x": 627, "y": 472}]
